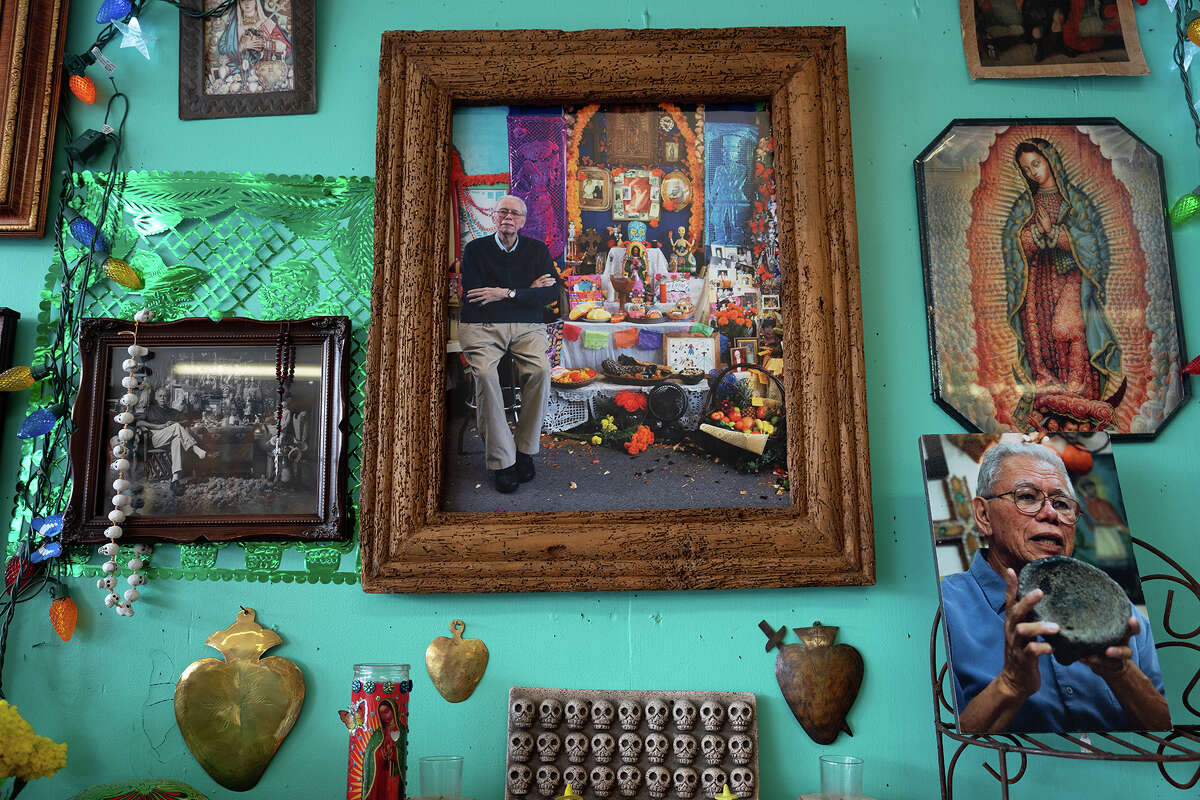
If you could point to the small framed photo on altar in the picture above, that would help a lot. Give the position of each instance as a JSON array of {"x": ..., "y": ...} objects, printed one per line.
[
  {"x": 1052, "y": 234},
  {"x": 691, "y": 351},
  {"x": 595, "y": 189},
  {"x": 238, "y": 430}
]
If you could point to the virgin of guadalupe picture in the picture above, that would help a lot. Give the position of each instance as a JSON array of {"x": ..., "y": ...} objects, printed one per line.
[
  {"x": 249, "y": 49},
  {"x": 1049, "y": 278}
]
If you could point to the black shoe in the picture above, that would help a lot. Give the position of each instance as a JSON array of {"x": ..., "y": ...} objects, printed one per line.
[
  {"x": 525, "y": 470},
  {"x": 507, "y": 480}
]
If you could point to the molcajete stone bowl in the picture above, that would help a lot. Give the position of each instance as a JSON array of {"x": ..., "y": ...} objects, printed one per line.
[{"x": 1091, "y": 609}]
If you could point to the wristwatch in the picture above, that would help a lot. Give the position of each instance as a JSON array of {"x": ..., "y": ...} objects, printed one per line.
[{"x": 512, "y": 294}]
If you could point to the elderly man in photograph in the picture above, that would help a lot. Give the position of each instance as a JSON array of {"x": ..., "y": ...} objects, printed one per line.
[
  {"x": 1005, "y": 678},
  {"x": 507, "y": 281}
]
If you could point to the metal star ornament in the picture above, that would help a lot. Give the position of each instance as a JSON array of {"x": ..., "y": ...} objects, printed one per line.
[{"x": 132, "y": 35}]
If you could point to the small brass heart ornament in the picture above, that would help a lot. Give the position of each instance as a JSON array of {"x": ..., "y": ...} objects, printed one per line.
[
  {"x": 820, "y": 681},
  {"x": 455, "y": 664},
  {"x": 235, "y": 713}
]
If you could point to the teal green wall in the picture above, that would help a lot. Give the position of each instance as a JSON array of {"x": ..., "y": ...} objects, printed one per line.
[{"x": 108, "y": 691}]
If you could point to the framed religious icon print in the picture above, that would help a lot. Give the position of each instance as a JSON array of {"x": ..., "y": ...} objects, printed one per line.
[
  {"x": 257, "y": 59},
  {"x": 1049, "y": 278},
  {"x": 1039, "y": 39},
  {"x": 238, "y": 429}
]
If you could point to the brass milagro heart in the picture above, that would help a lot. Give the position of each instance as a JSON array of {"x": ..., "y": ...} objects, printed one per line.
[
  {"x": 819, "y": 680},
  {"x": 235, "y": 713},
  {"x": 455, "y": 664}
]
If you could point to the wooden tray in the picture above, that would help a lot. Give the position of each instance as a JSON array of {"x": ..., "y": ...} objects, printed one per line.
[
  {"x": 658, "y": 321},
  {"x": 631, "y": 380}
]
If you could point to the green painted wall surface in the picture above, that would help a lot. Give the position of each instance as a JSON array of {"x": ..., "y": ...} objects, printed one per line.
[{"x": 108, "y": 691}]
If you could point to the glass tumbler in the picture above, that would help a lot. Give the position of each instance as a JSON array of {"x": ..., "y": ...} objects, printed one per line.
[
  {"x": 378, "y": 723},
  {"x": 441, "y": 777},
  {"x": 841, "y": 778}
]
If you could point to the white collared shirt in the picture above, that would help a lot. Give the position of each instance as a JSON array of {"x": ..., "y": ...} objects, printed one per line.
[{"x": 500, "y": 244}]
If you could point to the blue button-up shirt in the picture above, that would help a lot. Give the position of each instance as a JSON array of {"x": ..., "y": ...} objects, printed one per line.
[{"x": 1071, "y": 698}]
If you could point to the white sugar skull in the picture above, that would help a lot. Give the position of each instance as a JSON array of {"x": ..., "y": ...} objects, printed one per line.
[
  {"x": 630, "y": 714},
  {"x": 519, "y": 778},
  {"x": 686, "y": 780},
  {"x": 548, "y": 745},
  {"x": 684, "y": 746},
  {"x": 657, "y": 713},
  {"x": 576, "y": 776},
  {"x": 547, "y": 780},
  {"x": 712, "y": 779},
  {"x": 684, "y": 714},
  {"x": 577, "y": 747},
  {"x": 740, "y": 715},
  {"x": 576, "y": 712},
  {"x": 630, "y": 745},
  {"x": 602, "y": 715},
  {"x": 603, "y": 779},
  {"x": 550, "y": 712},
  {"x": 712, "y": 715},
  {"x": 741, "y": 781},
  {"x": 603, "y": 745},
  {"x": 629, "y": 780},
  {"x": 521, "y": 712},
  {"x": 658, "y": 780},
  {"x": 656, "y": 748},
  {"x": 741, "y": 749},
  {"x": 520, "y": 745},
  {"x": 713, "y": 747}
]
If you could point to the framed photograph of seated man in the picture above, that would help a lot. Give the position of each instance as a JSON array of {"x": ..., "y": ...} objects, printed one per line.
[
  {"x": 238, "y": 430},
  {"x": 1047, "y": 626},
  {"x": 409, "y": 542}
]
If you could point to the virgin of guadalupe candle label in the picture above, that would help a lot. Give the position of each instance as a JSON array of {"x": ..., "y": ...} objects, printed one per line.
[{"x": 378, "y": 722}]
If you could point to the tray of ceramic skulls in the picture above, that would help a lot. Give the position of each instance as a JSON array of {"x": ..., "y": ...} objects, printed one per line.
[{"x": 646, "y": 745}]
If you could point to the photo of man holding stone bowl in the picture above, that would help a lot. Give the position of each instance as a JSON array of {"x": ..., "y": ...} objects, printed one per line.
[{"x": 1040, "y": 639}]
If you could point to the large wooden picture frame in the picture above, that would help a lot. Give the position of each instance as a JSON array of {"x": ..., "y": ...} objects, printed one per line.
[
  {"x": 825, "y": 536},
  {"x": 207, "y": 411},
  {"x": 32, "y": 33}
]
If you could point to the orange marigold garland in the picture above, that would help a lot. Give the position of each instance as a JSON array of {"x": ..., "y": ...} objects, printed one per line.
[
  {"x": 695, "y": 161},
  {"x": 582, "y": 117}
]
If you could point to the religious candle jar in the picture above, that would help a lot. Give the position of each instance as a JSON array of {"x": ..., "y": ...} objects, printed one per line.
[{"x": 378, "y": 723}]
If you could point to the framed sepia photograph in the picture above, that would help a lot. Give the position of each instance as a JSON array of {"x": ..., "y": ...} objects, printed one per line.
[
  {"x": 1045, "y": 515},
  {"x": 595, "y": 189},
  {"x": 793, "y": 79},
  {"x": 256, "y": 60},
  {"x": 218, "y": 451},
  {"x": 1050, "y": 38},
  {"x": 1049, "y": 278}
]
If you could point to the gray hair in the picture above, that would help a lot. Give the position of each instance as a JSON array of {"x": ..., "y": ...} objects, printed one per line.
[
  {"x": 989, "y": 465},
  {"x": 524, "y": 208}
]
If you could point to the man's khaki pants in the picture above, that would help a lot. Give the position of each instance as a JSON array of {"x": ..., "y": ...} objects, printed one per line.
[{"x": 483, "y": 345}]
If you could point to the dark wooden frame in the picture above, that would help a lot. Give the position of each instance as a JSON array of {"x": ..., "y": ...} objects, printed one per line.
[
  {"x": 825, "y": 536},
  {"x": 90, "y": 454},
  {"x": 195, "y": 104},
  {"x": 32, "y": 33},
  {"x": 935, "y": 366},
  {"x": 8, "y": 341}
]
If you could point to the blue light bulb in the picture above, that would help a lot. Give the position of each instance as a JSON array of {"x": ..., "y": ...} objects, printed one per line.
[
  {"x": 83, "y": 230},
  {"x": 39, "y": 423},
  {"x": 113, "y": 10},
  {"x": 48, "y": 550},
  {"x": 51, "y": 526}
]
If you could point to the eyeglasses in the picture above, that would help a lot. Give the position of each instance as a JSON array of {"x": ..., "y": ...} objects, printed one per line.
[
  {"x": 509, "y": 212},
  {"x": 1029, "y": 501}
]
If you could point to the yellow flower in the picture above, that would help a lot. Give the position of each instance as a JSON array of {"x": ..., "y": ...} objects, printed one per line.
[
  {"x": 23, "y": 753},
  {"x": 597, "y": 440}
]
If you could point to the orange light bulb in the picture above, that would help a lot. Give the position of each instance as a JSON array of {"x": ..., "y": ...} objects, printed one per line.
[
  {"x": 63, "y": 616},
  {"x": 83, "y": 88}
]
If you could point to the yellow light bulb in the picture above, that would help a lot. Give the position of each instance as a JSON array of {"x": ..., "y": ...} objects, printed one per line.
[
  {"x": 119, "y": 272},
  {"x": 17, "y": 379},
  {"x": 1193, "y": 31}
]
